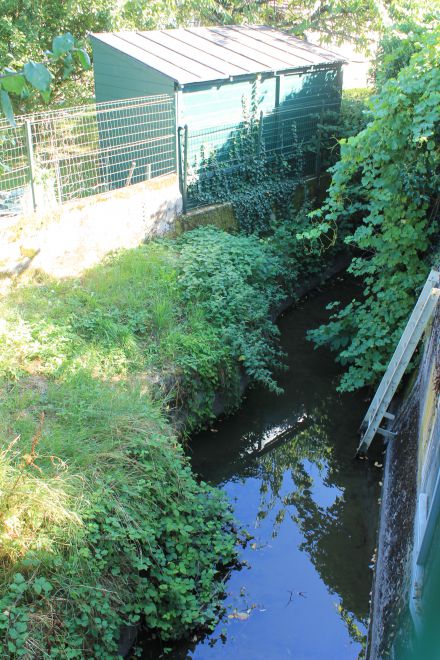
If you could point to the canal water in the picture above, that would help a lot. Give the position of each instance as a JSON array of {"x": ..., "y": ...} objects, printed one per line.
[{"x": 287, "y": 466}]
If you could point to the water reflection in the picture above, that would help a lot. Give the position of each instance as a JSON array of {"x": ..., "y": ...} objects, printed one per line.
[{"x": 287, "y": 466}]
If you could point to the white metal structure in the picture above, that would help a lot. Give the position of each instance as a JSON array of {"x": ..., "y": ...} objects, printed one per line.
[{"x": 411, "y": 336}]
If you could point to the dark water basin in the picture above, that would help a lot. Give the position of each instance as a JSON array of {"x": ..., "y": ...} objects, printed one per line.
[{"x": 286, "y": 464}]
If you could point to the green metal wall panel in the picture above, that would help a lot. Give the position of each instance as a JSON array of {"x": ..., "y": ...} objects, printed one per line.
[
  {"x": 219, "y": 109},
  {"x": 306, "y": 100},
  {"x": 291, "y": 103},
  {"x": 118, "y": 76},
  {"x": 222, "y": 104}
]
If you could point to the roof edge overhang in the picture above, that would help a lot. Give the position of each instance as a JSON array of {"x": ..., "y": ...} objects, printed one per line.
[{"x": 300, "y": 70}]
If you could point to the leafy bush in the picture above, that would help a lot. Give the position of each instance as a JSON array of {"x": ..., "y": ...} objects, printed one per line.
[
  {"x": 349, "y": 120},
  {"x": 396, "y": 47},
  {"x": 233, "y": 281},
  {"x": 384, "y": 200}
]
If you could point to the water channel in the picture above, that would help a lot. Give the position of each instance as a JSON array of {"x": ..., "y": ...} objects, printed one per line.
[{"x": 286, "y": 464}]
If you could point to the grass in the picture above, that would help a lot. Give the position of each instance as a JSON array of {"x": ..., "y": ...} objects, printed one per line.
[{"x": 101, "y": 521}]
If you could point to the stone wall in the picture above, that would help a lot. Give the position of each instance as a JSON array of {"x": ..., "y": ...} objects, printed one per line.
[{"x": 70, "y": 238}]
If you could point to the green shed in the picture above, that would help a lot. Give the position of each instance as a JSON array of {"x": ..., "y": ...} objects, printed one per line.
[{"x": 208, "y": 71}]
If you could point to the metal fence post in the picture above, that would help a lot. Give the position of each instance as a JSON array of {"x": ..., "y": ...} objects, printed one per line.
[
  {"x": 318, "y": 161},
  {"x": 58, "y": 180},
  {"x": 179, "y": 158},
  {"x": 31, "y": 159},
  {"x": 260, "y": 132},
  {"x": 185, "y": 170}
]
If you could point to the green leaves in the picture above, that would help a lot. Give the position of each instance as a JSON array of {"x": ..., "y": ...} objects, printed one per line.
[
  {"x": 37, "y": 75},
  {"x": 382, "y": 198},
  {"x": 234, "y": 282},
  {"x": 14, "y": 83},
  {"x": 65, "y": 55},
  {"x": 6, "y": 106},
  {"x": 62, "y": 44},
  {"x": 83, "y": 58}
]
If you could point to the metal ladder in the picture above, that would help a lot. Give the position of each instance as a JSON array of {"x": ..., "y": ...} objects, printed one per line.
[{"x": 411, "y": 336}]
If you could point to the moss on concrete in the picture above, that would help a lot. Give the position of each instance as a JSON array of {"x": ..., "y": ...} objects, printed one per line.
[{"x": 221, "y": 216}]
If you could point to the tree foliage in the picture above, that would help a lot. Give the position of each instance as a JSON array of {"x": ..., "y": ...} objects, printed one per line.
[
  {"x": 383, "y": 201},
  {"x": 397, "y": 45},
  {"x": 64, "y": 58},
  {"x": 28, "y": 26}
]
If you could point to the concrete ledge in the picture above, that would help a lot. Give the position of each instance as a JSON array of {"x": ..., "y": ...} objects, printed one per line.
[
  {"x": 219, "y": 215},
  {"x": 71, "y": 238}
]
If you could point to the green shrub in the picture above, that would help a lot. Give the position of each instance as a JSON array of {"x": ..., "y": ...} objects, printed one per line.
[
  {"x": 383, "y": 200},
  {"x": 233, "y": 281},
  {"x": 396, "y": 47}
]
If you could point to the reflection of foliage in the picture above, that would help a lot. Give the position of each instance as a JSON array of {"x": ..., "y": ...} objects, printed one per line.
[
  {"x": 353, "y": 630},
  {"x": 256, "y": 180},
  {"x": 307, "y": 445},
  {"x": 333, "y": 536}
]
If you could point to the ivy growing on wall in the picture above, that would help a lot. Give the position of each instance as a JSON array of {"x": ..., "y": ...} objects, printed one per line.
[{"x": 258, "y": 181}]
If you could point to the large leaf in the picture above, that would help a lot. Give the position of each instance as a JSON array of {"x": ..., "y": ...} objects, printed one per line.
[
  {"x": 6, "y": 105},
  {"x": 62, "y": 44},
  {"x": 83, "y": 57},
  {"x": 13, "y": 83},
  {"x": 37, "y": 75}
]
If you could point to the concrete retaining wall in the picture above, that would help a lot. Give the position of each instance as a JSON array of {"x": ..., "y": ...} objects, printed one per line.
[
  {"x": 401, "y": 601},
  {"x": 68, "y": 239}
]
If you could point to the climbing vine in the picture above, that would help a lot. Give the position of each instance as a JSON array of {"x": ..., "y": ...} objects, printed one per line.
[
  {"x": 256, "y": 180},
  {"x": 383, "y": 202}
]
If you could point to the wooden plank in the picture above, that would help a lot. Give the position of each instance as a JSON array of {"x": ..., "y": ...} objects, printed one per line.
[
  {"x": 393, "y": 378},
  {"x": 431, "y": 281},
  {"x": 402, "y": 355}
]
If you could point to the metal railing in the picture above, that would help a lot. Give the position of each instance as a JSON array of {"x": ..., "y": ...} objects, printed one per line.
[{"x": 73, "y": 153}]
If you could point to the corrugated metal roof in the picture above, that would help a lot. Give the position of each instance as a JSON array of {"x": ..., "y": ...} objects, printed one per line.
[{"x": 203, "y": 54}]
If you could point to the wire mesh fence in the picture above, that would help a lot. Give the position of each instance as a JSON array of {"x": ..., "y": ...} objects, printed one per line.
[
  {"x": 53, "y": 157},
  {"x": 77, "y": 152},
  {"x": 295, "y": 130}
]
